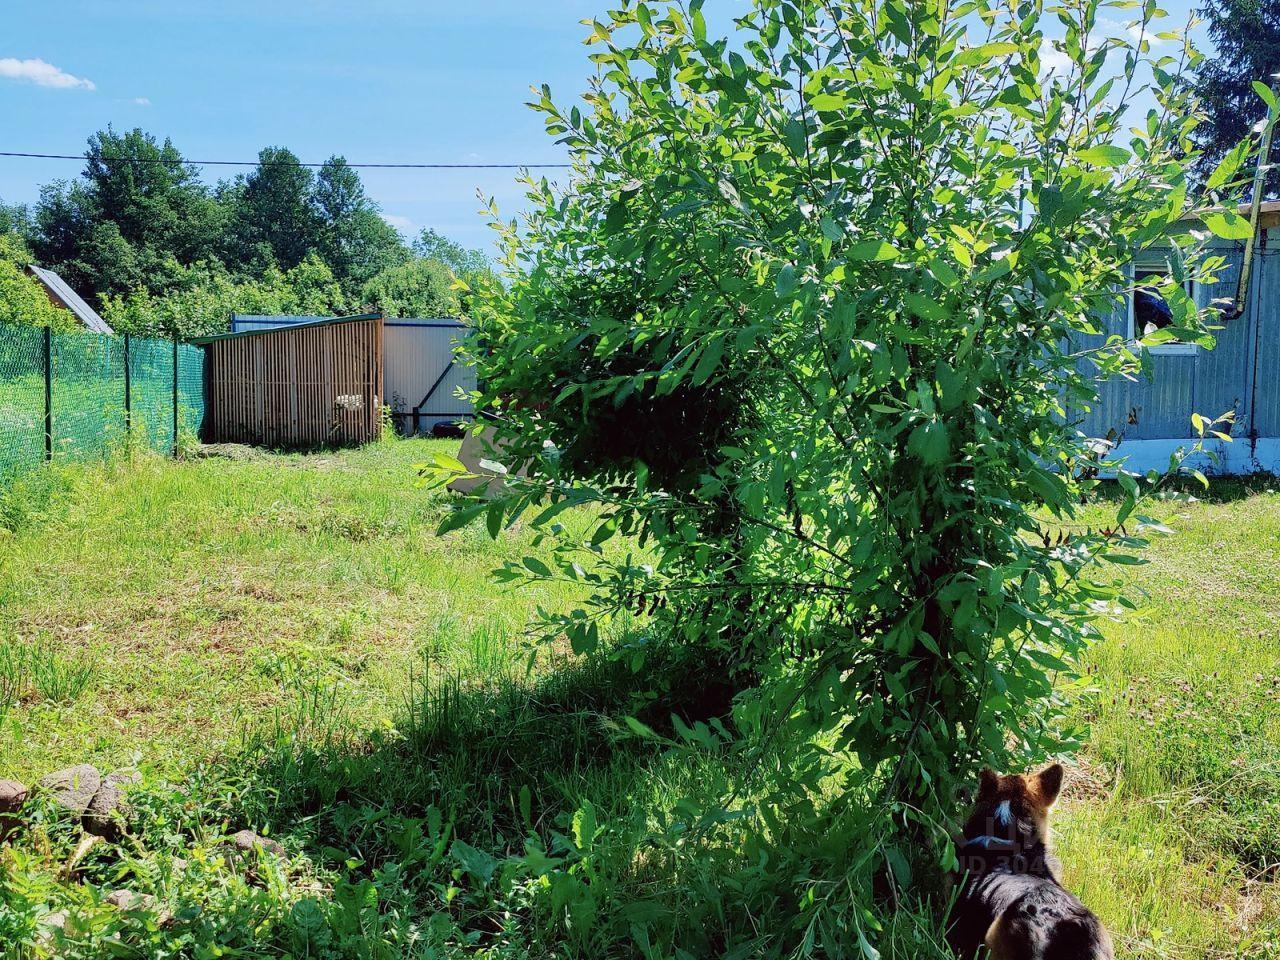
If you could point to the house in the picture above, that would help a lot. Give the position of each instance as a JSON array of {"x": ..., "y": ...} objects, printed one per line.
[
  {"x": 1151, "y": 417},
  {"x": 60, "y": 294}
]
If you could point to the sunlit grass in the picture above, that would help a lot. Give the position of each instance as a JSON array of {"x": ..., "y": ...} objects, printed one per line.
[
  {"x": 1177, "y": 844},
  {"x": 189, "y": 585},
  {"x": 224, "y": 603}
]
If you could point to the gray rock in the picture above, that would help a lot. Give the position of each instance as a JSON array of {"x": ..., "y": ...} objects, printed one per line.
[
  {"x": 12, "y": 796},
  {"x": 73, "y": 788},
  {"x": 246, "y": 840},
  {"x": 108, "y": 810},
  {"x": 128, "y": 900},
  {"x": 50, "y": 923}
]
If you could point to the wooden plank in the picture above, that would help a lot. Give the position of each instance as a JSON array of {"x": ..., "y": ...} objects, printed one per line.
[{"x": 281, "y": 388}]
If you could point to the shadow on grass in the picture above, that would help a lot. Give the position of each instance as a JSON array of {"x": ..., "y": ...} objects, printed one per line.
[
  {"x": 495, "y": 759},
  {"x": 1220, "y": 490},
  {"x": 523, "y": 819}
]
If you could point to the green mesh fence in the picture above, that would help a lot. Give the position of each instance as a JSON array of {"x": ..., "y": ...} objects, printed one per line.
[
  {"x": 92, "y": 404},
  {"x": 21, "y": 398}
]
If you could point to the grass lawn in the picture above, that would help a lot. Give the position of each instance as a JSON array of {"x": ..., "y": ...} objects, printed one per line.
[
  {"x": 177, "y": 611},
  {"x": 202, "y": 593}
]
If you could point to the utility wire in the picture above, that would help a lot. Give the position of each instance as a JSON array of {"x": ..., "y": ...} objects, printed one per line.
[{"x": 298, "y": 163}]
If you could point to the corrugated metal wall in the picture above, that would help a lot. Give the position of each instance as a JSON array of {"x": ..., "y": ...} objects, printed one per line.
[
  {"x": 422, "y": 373},
  {"x": 300, "y": 386},
  {"x": 1208, "y": 382}
]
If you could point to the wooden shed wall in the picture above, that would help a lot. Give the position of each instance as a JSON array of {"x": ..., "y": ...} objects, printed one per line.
[{"x": 281, "y": 388}]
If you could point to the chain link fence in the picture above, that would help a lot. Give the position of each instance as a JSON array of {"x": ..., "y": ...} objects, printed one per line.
[{"x": 80, "y": 395}]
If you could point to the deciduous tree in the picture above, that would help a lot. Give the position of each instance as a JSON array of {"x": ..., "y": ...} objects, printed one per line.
[
  {"x": 417, "y": 288},
  {"x": 138, "y": 210},
  {"x": 1246, "y": 38},
  {"x": 882, "y": 234},
  {"x": 355, "y": 241}
]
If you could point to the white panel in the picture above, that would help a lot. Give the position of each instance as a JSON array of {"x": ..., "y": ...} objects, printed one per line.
[{"x": 416, "y": 354}]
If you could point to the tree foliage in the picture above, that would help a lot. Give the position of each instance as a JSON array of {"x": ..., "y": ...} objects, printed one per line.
[
  {"x": 354, "y": 241},
  {"x": 807, "y": 319},
  {"x": 142, "y": 235},
  {"x": 276, "y": 222},
  {"x": 23, "y": 299},
  {"x": 137, "y": 213},
  {"x": 415, "y": 288},
  {"x": 205, "y": 295},
  {"x": 1246, "y": 38}
]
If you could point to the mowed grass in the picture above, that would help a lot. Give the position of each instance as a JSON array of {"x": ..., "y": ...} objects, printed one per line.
[
  {"x": 210, "y": 594},
  {"x": 1172, "y": 831},
  {"x": 204, "y": 593}
]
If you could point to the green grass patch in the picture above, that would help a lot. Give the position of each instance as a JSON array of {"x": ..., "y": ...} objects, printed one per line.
[
  {"x": 281, "y": 643},
  {"x": 197, "y": 590}
]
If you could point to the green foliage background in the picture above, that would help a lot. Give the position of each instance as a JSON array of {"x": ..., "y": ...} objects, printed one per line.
[
  {"x": 140, "y": 235},
  {"x": 1246, "y": 40}
]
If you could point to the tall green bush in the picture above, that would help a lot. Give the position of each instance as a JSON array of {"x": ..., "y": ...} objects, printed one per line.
[
  {"x": 205, "y": 295},
  {"x": 22, "y": 299},
  {"x": 416, "y": 288},
  {"x": 884, "y": 231}
]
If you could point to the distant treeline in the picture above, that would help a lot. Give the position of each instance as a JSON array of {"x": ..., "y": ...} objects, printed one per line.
[{"x": 157, "y": 250}]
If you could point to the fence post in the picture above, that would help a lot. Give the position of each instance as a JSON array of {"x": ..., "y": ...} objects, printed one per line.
[
  {"x": 48, "y": 393},
  {"x": 175, "y": 394},
  {"x": 128, "y": 394}
]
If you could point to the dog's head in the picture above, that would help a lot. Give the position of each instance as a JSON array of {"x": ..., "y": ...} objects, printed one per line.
[{"x": 1014, "y": 807}]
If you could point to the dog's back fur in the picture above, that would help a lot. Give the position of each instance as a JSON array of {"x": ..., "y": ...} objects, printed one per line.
[{"x": 1011, "y": 900}]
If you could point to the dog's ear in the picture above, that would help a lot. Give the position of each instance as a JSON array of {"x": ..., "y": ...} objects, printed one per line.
[
  {"x": 988, "y": 784},
  {"x": 1049, "y": 783}
]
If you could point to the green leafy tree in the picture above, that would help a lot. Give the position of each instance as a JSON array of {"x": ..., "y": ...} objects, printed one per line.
[
  {"x": 886, "y": 231},
  {"x": 433, "y": 245},
  {"x": 22, "y": 299},
  {"x": 1246, "y": 38},
  {"x": 15, "y": 218},
  {"x": 138, "y": 210},
  {"x": 275, "y": 221},
  {"x": 356, "y": 242},
  {"x": 418, "y": 288},
  {"x": 472, "y": 267},
  {"x": 205, "y": 295}
]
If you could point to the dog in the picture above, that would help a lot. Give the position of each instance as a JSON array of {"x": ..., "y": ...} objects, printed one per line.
[{"x": 1011, "y": 901}]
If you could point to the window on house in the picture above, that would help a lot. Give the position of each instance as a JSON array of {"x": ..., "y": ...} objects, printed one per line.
[{"x": 1148, "y": 309}]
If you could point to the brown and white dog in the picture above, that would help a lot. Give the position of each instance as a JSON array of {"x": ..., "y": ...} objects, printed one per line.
[{"x": 1011, "y": 901}]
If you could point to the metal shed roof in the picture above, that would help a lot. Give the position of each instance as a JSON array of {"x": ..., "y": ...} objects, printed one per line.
[
  {"x": 70, "y": 299},
  {"x": 241, "y": 322},
  {"x": 280, "y": 328}
]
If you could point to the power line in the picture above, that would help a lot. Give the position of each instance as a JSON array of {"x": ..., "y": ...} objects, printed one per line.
[{"x": 298, "y": 163}]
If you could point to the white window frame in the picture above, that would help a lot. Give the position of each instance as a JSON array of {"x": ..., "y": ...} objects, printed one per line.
[{"x": 1157, "y": 261}]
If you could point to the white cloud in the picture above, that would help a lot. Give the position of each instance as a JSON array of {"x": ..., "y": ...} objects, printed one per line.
[
  {"x": 1052, "y": 60},
  {"x": 400, "y": 223},
  {"x": 1136, "y": 32},
  {"x": 141, "y": 101},
  {"x": 42, "y": 74}
]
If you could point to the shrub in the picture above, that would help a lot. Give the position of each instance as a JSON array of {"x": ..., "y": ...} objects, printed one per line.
[
  {"x": 205, "y": 296},
  {"x": 22, "y": 299},
  {"x": 840, "y": 276},
  {"x": 418, "y": 288}
]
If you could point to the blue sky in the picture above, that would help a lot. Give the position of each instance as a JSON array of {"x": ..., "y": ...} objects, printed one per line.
[{"x": 435, "y": 81}]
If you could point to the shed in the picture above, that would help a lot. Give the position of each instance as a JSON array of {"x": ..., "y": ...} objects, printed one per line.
[
  {"x": 1150, "y": 418},
  {"x": 60, "y": 294},
  {"x": 425, "y": 379},
  {"x": 310, "y": 384}
]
